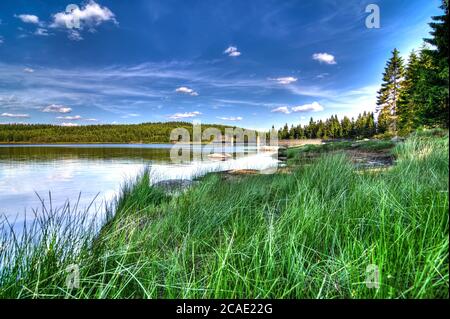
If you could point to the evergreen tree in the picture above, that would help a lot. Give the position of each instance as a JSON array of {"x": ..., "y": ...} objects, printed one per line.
[
  {"x": 440, "y": 34},
  {"x": 407, "y": 111},
  {"x": 310, "y": 129},
  {"x": 320, "y": 130},
  {"x": 370, "y": 124},
  {"x": 285, "y": 132},
  {"x": 389, "y": 93},
  {"x": 301, "y": 132},
  {"x": 333, "y": 128},
  {"x": 437, "y": 106},
  {"x": 347, "y": 128},
  {"x": 292, "y": 133}
]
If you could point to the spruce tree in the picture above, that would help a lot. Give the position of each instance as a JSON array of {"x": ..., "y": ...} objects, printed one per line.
[
  {"x": 440, "y": 33},
  {"x": 346, "y": 125},
  {"x": 437, "y": 110},
  {"x": 407, "y": 111},
  {"x": 389, "y": 93}
]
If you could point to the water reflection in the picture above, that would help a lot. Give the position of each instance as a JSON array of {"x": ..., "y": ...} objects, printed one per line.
[{"x": 68, "y": 170}]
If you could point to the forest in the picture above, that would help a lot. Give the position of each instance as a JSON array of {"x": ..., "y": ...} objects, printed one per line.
[
  {"x": 126, "y": 133},
  {"x": 363, "y": 127}
]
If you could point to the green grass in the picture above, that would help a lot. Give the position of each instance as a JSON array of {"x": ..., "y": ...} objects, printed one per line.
[
  {"x": 309, "y": 234},
  {"x": 369, "y": 145}
]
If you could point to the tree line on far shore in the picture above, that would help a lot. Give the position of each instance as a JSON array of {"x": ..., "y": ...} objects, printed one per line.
[
  {"x": 412, "y": 96},
  {"x": 124, "y": 133},
  {"x": 363, "y": 126}
]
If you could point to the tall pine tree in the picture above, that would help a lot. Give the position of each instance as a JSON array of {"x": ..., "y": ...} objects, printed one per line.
[
  {"x": 407, "y": 110},
  {"x": 389, "y": 93}
]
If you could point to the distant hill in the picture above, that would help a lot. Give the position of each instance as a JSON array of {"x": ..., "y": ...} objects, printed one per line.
[{"x": 124, "y": 133}]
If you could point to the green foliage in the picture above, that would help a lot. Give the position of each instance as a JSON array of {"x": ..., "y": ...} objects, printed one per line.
[
  {"x": 423, "y": 99},
  {"x": 332, "y": 128},
  {"x": 364, "y": 145},
  {"x": 436, "y": 110}
]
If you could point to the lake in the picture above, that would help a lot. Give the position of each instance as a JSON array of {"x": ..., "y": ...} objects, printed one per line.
[{"x": 93, "y": 174}]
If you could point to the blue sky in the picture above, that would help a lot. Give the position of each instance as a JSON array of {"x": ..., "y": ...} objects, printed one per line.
[{"x": 246, "y": 63}]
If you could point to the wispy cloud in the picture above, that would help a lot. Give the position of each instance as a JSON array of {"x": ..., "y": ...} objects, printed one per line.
[
  {"x": 285, "y": 80},
  {"x": 69, "y": 124},
  {"x": 126, "y": 89},
  {"x": 231, "y": 118},
  {"x": 186, "y": 90},
  {"x": 232, "y": 51},
  {"x": 41, "y": 32},
  {"x": 185, "y": 115},
  {"x": 281, "y": 109},
  {"x": 54, "y": 108},
  {"x": 28, "y": 70},
  {"x": 324, "y": 58},
  {"x": 74, "y": 35},
  {"x": 15, "y": 115},
  {"x": 69, "y": 118},
  {"x": 127, "y": 116},
  {"x": 313, "y": 107},
  {"x": 28, "y": 18}
]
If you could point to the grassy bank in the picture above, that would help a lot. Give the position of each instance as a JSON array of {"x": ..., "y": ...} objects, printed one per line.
[{"x": 308, "y": 234}]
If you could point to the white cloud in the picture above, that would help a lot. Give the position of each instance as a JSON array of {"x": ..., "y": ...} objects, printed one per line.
[
  {"x": 54, "y": 108},
  {"x": 28, "y": 18},
  {"x": 232, "y": 51},
  {"x": 28, "y": 70},
  {"x": 281, "y": 109},
  {"x": 91, "y": 120},
  {"x": 41, "y": 32},
  {"x": 69, "y": 124},
  {"x": 322, "y": 75},
  {"x": 232, "y": 118},
  {"x": 325, "y": 58},
  {"x": 11, "y": 115},
  {"x": 314, "y": 107},
  {"x": 186, "y": 90},
  {"x": 1, "y": 40},
  {"x": 285, "y": 80},
  {"x": 74, "y": 35},
  {"x": 178, "y": 116},
  {"x": 70, "y": 118},
  {"x": 88, "y": 16},
  {"x": 130, "y": 115}
]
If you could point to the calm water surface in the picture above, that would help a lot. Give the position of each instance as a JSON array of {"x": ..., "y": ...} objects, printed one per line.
[{"x": 64, "y": 172}]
